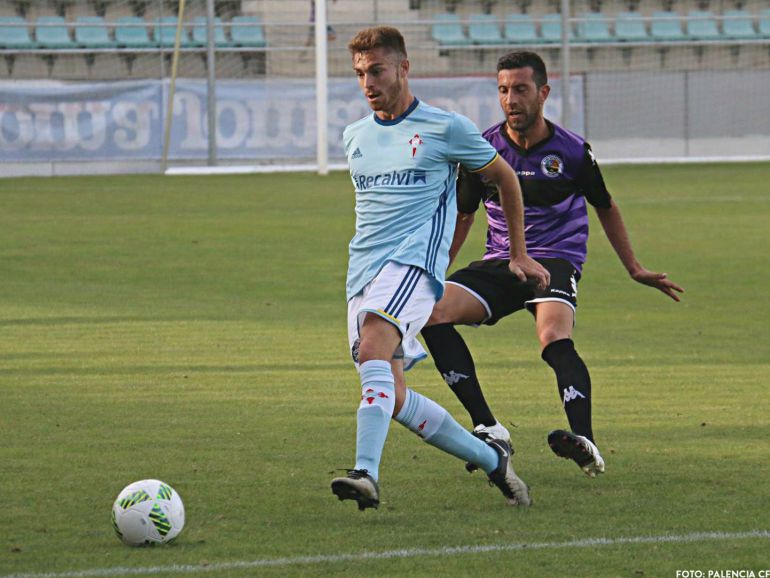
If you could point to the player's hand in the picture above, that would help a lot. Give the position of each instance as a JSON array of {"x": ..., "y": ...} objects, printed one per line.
[
  {"x": 659, "y": 281},
  {"x": 527, "y": 268}
]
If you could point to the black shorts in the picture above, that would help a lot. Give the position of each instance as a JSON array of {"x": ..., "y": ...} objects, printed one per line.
[{"x": 502, "y": 293}]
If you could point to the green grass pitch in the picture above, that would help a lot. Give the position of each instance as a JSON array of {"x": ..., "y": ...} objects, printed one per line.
[{"x": 192, "y": 329}]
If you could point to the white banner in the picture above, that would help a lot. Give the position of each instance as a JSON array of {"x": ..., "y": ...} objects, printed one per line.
[{"x": 259, "y": 121}]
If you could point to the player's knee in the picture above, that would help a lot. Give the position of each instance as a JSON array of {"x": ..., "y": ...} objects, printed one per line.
[
  {"x": 440, "y": 314},
  {"x": 548, "y": 335},
  {"x": 367, "y": 351},
  {"x": 371, "y": 348}
]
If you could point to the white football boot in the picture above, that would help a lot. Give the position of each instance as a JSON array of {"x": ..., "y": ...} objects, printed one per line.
[
  {"x": 358, "y": 485},
  {"x": 580, "y": 449},
  {"x": 486, "y": 433},
  {"x": 512, "y": 486}
]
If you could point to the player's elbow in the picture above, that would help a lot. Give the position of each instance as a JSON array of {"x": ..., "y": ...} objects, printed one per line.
[{"x": 464, "y": 221}]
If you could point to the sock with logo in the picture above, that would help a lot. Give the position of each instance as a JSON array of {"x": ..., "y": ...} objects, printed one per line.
[
  {"x": 434, "y": 425},
  {"x": 574, "y": 384},
  {"x": 454, "y": 362},
  {"x": 378, "y": 399}
]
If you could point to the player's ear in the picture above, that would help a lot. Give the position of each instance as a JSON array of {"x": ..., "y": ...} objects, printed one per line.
[
  {"x": 404, "y": 66},
  {"x": 544, "y": 90}
]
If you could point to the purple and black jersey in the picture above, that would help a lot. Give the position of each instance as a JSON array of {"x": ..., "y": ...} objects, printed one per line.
[{"x": 557, "y": 175}]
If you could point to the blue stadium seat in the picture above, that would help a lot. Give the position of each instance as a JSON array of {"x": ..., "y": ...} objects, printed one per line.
[
  {"x": 701, "y": 25},
  {"x": 14, "y": 33},
  {"x": 131, "y": 32},
  {"x": 164, "y": 33},
  {"x": 448, "y": 30},
  {"x": 520, "y": 29},
  {"x": 764, "y": 23},
  {"x": 484, "y": 29},
  {"x": 737, "y": 25},
  {"x": 247, "y": 31},
  {"x": 550, "y": 28},
  {"x": 593, "y": 27},
  {"x": 52, "y": 32},
  {"x": 200, "y": 32},
  {"x": 629, "y": 27},
  {"x": 94, "y": 34},
  {"x": 666, "y": 26}
]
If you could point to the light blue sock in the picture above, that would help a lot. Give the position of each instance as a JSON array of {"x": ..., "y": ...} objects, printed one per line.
[
  {"x": 378, "y": 398},
  {"x": 433, "y": 424}
]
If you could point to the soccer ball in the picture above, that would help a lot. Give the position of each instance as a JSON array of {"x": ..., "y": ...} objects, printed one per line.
[{"x": 147, "y": 512}]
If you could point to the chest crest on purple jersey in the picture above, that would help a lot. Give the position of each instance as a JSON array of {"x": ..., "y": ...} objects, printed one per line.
[{"x": 552, "y": 166}]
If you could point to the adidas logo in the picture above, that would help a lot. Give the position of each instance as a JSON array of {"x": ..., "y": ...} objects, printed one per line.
[
  {"x": 571, "y": 393},
  {"x": 453, "y": 377},
  {"x": 356, "y": 154}
]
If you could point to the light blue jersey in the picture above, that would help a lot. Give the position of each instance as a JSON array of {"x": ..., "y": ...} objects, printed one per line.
[{"x": 404, "y": 174}]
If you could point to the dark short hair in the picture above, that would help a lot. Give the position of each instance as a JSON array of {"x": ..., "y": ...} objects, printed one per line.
[
  {"x": 522, "y": 59},
  {"x": 378, "y": 37}
]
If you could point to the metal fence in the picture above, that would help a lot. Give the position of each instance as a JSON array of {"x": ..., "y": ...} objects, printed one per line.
[{"x": 87, "y": 84}]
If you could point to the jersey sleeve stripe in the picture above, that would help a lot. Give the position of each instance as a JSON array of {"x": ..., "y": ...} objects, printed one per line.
[{"x": 493, "y": 159}]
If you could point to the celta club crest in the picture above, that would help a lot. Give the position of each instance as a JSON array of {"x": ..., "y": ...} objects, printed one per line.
[
  {"x": 415, "y": 141},
  {"x": 370, "y": 394}
]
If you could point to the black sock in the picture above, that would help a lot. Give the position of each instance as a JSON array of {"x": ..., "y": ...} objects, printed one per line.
[
  {"x": 455, "y": 363},
  {"x": 574, "y": 384}
]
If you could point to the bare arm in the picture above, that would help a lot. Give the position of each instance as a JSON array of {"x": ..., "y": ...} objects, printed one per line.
[
  {"x": 615, "y": 229},
  {"x": 462, "y": 228},
  {"x": 521, "y": 265}
]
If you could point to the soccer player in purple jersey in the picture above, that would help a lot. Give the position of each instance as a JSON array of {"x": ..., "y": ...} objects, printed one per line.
[{"x": 558, "y": 174}]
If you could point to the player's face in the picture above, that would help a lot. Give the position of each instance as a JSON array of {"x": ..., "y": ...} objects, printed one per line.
[
  {"x": 382, "y": 78},
  {"x": 520, "y": 98}
]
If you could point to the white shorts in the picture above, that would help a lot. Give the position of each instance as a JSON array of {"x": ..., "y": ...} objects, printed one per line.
[{"x": 401, "y": 294}]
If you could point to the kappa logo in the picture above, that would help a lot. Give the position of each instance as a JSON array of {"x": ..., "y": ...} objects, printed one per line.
[
  {"x": 453, "y": 377},
  {"x": 357, "y": 154},
  {"x": 571, "y": 393},
  {"x": 415, "y": 141}
]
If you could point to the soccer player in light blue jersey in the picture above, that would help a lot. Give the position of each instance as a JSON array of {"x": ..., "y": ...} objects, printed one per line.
[{"x": 403, "y": 163}]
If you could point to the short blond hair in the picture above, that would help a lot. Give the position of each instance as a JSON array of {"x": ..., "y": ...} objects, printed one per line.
[{"x": 385, "y": 37}]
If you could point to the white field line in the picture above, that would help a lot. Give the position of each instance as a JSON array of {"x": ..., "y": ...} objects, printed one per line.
[{"x": 390, "y": 554}]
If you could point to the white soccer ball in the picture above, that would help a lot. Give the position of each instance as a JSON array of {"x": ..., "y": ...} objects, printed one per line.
[{"x": 147, "y": 512}]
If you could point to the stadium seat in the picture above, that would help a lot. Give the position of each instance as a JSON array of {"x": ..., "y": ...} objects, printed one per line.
[
  {"x": 484, "y": 29},
  {"x": 629, "y": 27},
  {"x": 164, "y": 32},
  {"x": 701, "y": 25},
  {"x": 764, "y": 23},
  {"x": 448, "y": 30},
  {"x": 94, "y": 34},
  {"x": 247, "y": 31},
  {"x": 200, "y": 32},
  {"x": 14, "y": 33},
  {"x": 666, "y": 26},
  {"x": 131, "y": 32},
  {"x": 737, "y": 25},
  {"x": 550, "y": 28},
  {"x": 520, "y": 29},
  {"x": 593, "y": 27},
  {"x": 52, "y": 32}
]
